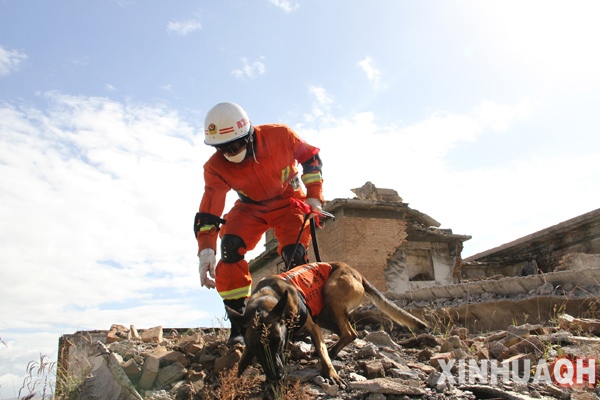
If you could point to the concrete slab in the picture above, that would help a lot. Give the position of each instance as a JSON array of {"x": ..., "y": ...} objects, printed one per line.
[{"x": 505, "y": 286}]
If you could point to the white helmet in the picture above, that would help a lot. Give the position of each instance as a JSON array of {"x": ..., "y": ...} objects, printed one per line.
[{"x": 224, "y": 123}]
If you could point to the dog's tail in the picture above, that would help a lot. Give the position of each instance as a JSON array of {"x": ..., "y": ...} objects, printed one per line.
[{"x": 391, "y": 310}]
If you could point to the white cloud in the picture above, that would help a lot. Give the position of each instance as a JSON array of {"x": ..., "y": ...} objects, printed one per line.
[
  {"x": 494, "y": 205},
  {"x": 184, "y": 27},
  {"x": 500, "y": 115},
  {"x": 168, "y": 88},
  {"x": 321, "y": 108},
  {"x": 10, "y": 60},
  {"x": 110, "y": 87},
  {"x": 97, "y": 202},
  {"x": 286, "y": 5},
  {"x": 250, "y": 70},
  {"x": 373, "y": 74}
]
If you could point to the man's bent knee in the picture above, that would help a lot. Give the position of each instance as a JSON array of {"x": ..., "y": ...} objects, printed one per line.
[{"x": 230, "y": 249}]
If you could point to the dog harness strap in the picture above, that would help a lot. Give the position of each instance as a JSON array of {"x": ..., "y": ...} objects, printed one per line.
[{"x": 303, "y": 313}]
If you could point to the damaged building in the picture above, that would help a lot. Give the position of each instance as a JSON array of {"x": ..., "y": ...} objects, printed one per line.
[
  {"x": 394, "y": 246},
  {"x": 571, "y": 244}
]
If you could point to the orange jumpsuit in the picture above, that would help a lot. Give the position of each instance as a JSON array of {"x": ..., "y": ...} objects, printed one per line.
[{"x": 264, "y": 184}]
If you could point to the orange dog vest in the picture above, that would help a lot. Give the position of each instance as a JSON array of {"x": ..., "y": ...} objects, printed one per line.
[{"x": 309, "y": 280}]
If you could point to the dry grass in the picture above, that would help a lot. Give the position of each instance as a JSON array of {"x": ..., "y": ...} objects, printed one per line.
[{"x": 233, "y": 388}]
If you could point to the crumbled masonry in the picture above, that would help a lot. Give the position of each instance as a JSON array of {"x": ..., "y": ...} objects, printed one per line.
[{"x": 393, "y": 364}]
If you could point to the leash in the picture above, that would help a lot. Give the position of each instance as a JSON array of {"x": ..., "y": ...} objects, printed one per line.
[
  {"x": 313, "y": 232},
  {"x": 287, "y": 264}
]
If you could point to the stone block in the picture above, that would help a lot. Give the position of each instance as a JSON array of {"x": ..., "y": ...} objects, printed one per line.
[
  {"x": 168, "y": 357},
  {"x": 132, "y": 369},
  {"x": 387, "y": 386},
  {"x": 374, "y": 369},
  {"x": 207, "y": 361},
  {"x": 194, "y": 348},
  {"x": 149, "y": 372},
  {"x": 170, "y": 374},
  {"x": 532, "y": 345},
  {"x": 381, "y": 339},
  {"x": 228, "y": 361},
  {"x": 435, "y": 359},
  {"x": 451, "y": 343},
  {"x": 153, "y": 335},
  {"x": 117, "y": 333},
  {"x": 515, "y": 335},
  {"x": 496, "y": 349},
  {"x": 134, "y": 333}
]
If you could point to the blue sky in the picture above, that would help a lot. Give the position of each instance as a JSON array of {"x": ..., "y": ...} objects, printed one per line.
[{"x": 481, "y": 114}]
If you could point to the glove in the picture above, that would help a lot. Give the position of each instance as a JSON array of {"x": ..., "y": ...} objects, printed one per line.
[
  {"x": 208, "y": 262},
  {"x": 315, "y": 206}
]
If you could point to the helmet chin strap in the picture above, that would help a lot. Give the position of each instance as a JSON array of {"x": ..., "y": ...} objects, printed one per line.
[{"x": 253, "y": 146}]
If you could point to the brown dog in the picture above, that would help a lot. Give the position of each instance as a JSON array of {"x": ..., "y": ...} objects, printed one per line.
[{"x": 276, "y": 310}]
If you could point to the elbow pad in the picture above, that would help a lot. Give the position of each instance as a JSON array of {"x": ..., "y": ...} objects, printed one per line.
[{"x": 206, "y": 220}]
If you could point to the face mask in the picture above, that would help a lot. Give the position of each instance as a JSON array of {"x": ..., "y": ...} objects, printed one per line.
[{"x": 238, "y": 158}]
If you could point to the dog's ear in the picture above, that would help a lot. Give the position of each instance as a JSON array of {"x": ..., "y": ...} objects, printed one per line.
[
  {"x": 235, "y": 316},
  {"x": 277, "y": 311}
]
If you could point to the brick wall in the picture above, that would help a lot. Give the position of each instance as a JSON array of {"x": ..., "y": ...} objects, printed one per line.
[{"x": 363, "y": 243}]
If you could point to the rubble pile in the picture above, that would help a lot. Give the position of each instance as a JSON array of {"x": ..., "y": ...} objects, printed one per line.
[{"x": 378, "y": 365}]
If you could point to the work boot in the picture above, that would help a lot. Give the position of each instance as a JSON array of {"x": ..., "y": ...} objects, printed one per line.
[
  {"x": 236, "y": 335},
  {"x": 293, "y": 259}
]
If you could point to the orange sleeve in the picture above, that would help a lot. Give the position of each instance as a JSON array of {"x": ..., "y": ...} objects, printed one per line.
[
  {"x": 213, "y": 202},
  {"x": 312, "y": 179}
]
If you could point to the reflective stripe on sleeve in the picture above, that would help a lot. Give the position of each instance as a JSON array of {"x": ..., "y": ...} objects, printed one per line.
[{"x": 311, "y": 178}]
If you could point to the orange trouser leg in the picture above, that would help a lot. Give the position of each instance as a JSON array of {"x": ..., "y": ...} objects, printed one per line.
[
  {"x": 233, "y": 280},
  {"x": 287, "y": 222}
]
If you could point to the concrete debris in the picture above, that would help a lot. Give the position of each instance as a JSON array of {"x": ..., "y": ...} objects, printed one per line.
[
  {"x": 153, "y": 335},
  {"x": 584, "y": 325},
  {"x": 377, "y": 365},
  {"x": 107, "y": 380},
  {"x": 380, "y": 339},
  {"x": 387, "y": 386}
]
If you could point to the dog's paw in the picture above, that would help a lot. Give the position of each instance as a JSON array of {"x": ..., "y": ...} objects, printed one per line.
[{"x": 342, "y": 384}]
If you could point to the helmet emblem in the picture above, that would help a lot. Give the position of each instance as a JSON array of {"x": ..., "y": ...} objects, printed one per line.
[{"x": 212, "y": 129}]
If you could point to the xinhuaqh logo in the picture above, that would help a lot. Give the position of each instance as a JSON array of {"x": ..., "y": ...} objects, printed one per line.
[{"x": 565, "y": 372}]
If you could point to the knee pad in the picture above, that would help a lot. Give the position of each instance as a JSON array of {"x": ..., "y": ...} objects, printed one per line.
[
  {"x": 230, "y": 249},
  {"x": 298, "y": 258}
]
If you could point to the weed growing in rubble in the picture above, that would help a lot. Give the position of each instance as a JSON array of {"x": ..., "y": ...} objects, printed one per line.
[
  {"x": 441, "y": 325},
  {"x": 293, "y": 392},
  {"x": 40, "y": 376},
  {"x": 249, "y": 385},
  {"x": 67, "y": 386},
  {"x": 232, "y": 387},
  {"x": 222, "y": 332}
]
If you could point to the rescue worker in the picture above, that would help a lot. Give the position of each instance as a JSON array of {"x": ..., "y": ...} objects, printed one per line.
[{"x": 259, "y": 163}]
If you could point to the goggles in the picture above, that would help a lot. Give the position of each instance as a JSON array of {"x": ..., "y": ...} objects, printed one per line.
[{"x": 233, "y": 147}]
